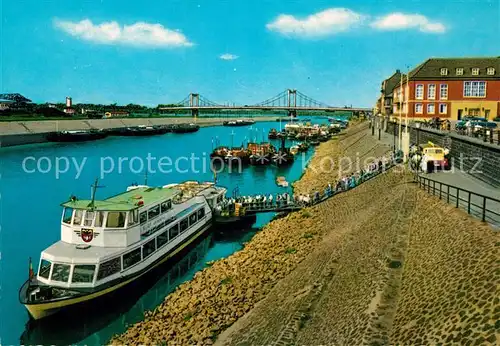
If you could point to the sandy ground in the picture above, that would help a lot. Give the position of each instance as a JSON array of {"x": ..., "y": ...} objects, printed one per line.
[{"x": 384, "y": 263}]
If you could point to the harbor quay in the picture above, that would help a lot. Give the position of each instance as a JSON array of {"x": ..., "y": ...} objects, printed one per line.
[{"x": 382, "y": 263}]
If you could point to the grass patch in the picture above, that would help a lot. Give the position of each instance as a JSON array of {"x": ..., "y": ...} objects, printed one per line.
[
  {"x": 188, "y": 316},
  {"x": 306, "y": 214},
  {"x": 225, "y": 281},
  {"x": 307, "y": 236},
  {"x": 290, "y": 250}
]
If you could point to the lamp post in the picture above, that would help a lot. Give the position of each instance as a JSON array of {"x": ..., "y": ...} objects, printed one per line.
[
  {"x": 406, "y": 137},
  {"x": 400, "y": 98},
  {"x": 417, "y": 125}
]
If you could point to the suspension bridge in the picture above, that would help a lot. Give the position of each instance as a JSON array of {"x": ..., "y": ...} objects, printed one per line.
[{"x": 290, "y": 100}]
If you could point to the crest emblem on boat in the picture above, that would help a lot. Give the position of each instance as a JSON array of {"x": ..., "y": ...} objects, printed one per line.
[{"x": 87, "y": 234}]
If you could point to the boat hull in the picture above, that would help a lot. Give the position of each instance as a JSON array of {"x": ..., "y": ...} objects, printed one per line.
[
  {"x": 80, "y": 137},
  {"x": 42, "y": 310}
]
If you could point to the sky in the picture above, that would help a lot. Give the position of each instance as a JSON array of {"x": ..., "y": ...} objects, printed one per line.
[{"x": 239, "y": 51}]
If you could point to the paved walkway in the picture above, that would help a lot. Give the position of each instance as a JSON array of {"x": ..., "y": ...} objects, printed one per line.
[
  {"x": 472, "y": 203},
  {"x": 463, "y": 181}
]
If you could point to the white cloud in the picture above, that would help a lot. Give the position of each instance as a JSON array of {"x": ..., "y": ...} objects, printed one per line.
[
  {"x": 401, "y": 21},
  {"x": 323, "y": 23},
  {"x": 228, "y": 56},
  {"x": 137, "y": 34}
]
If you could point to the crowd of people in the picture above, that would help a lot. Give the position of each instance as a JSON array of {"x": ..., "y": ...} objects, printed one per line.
[{"x": 284, "y": 200}]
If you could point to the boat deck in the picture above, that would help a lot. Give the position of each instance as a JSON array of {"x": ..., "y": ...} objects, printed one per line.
[
  {"x": 69, "y": 253},
  {"x": 126, "y": 200}
]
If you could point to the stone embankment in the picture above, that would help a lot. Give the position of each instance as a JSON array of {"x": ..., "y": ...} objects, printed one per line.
[{"x": 383, "y": 263}]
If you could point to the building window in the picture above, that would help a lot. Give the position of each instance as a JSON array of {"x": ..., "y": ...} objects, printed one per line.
[
  {"x": 475, "y": 71},
  {"x": 474, "y": 89},
  {"x": 418, "y": 108},
  {"x": 459, "y": 71},
  {"x": 443, "y": 109},
  {"x": 490, "y": 71},
  {"x": 419, "y": 92},
  {"x": 443, "y": 92},
  {"x": 431, "y": 92},
  {"x": 444, "y": 71},
  {"x": 430, "y": 108}
]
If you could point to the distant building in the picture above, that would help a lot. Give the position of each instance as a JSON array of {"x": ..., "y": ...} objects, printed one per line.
[
  {"x": 5, "y": 104},
  {"x": 69, "y": 110},
  {"x": 15, "y": 101},
  {"x": 116, "y": 114},
  {"x": 384, "y": 103},
  {"x": 69, "y": 102},
  {"x": 451, "y": 88}
]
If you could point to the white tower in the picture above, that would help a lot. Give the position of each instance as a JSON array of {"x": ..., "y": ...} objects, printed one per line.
[{"x": 69, "y": 102}]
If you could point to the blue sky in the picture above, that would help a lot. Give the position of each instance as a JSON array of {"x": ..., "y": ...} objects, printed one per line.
[{"x": 151, "y": 52}]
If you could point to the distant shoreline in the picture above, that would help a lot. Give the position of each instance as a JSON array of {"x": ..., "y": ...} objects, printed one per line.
[{"x": 14, "y": 133}]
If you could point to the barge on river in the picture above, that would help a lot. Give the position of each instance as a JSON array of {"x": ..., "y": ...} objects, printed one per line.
[{"x": 106, "y": 244}]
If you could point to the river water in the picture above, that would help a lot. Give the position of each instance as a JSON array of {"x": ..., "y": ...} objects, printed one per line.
[{"x": 36, "y": 179}]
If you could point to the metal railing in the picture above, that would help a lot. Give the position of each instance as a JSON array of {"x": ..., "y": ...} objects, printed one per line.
[{"x": 484, "y": 207}]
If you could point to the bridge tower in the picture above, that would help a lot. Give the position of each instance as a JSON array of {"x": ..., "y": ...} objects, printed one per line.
[
  {"x": 194, "y": 103},
  {"x": 292, "y": 102}
]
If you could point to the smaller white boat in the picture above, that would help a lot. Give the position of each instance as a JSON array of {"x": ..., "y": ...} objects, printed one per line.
[{"x": 281, "y": 181}]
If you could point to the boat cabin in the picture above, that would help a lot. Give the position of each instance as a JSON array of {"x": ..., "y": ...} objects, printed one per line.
[{"x": 102, "y": 238}]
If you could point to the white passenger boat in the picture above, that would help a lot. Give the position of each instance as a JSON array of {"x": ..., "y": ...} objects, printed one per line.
[{"x": 106, "y": 244}]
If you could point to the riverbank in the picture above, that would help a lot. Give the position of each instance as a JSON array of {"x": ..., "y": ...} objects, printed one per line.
[
  {"x": 31, "y": 132},
  {"x": 335, "y": 273}
]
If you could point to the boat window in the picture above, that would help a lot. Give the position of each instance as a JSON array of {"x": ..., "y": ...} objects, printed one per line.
[
  {"x": 174, "y": 231},
  {"x": 184, "y": 225},
  {"x": 131, "y": 258},
  {"x": 67, "y": 215},
  {"x": 83, "y": 273},
  {"x": 192, "y": 218},
  {"x": 109, "y": 268},
  {"x": 77, "y": 219},
  {"x": 99, "y": 218},
  {"x": 143, "y": 217},
  {"x": 154, "y": 212},
  {"x": 162, "y": 239},
  {"x": 220, "y": 198},
  {"x": 89, "y": 218},
  {"x": 60, "y": 272},
  {"x": 116, "y": 219},
  {"x": 44, "y": 270},
  {"x": 165, "y": 206},
  {"x": 133, "y": 217},
  {"x": 201, "y": 213},
  {"x": 148, "y": 248}
]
